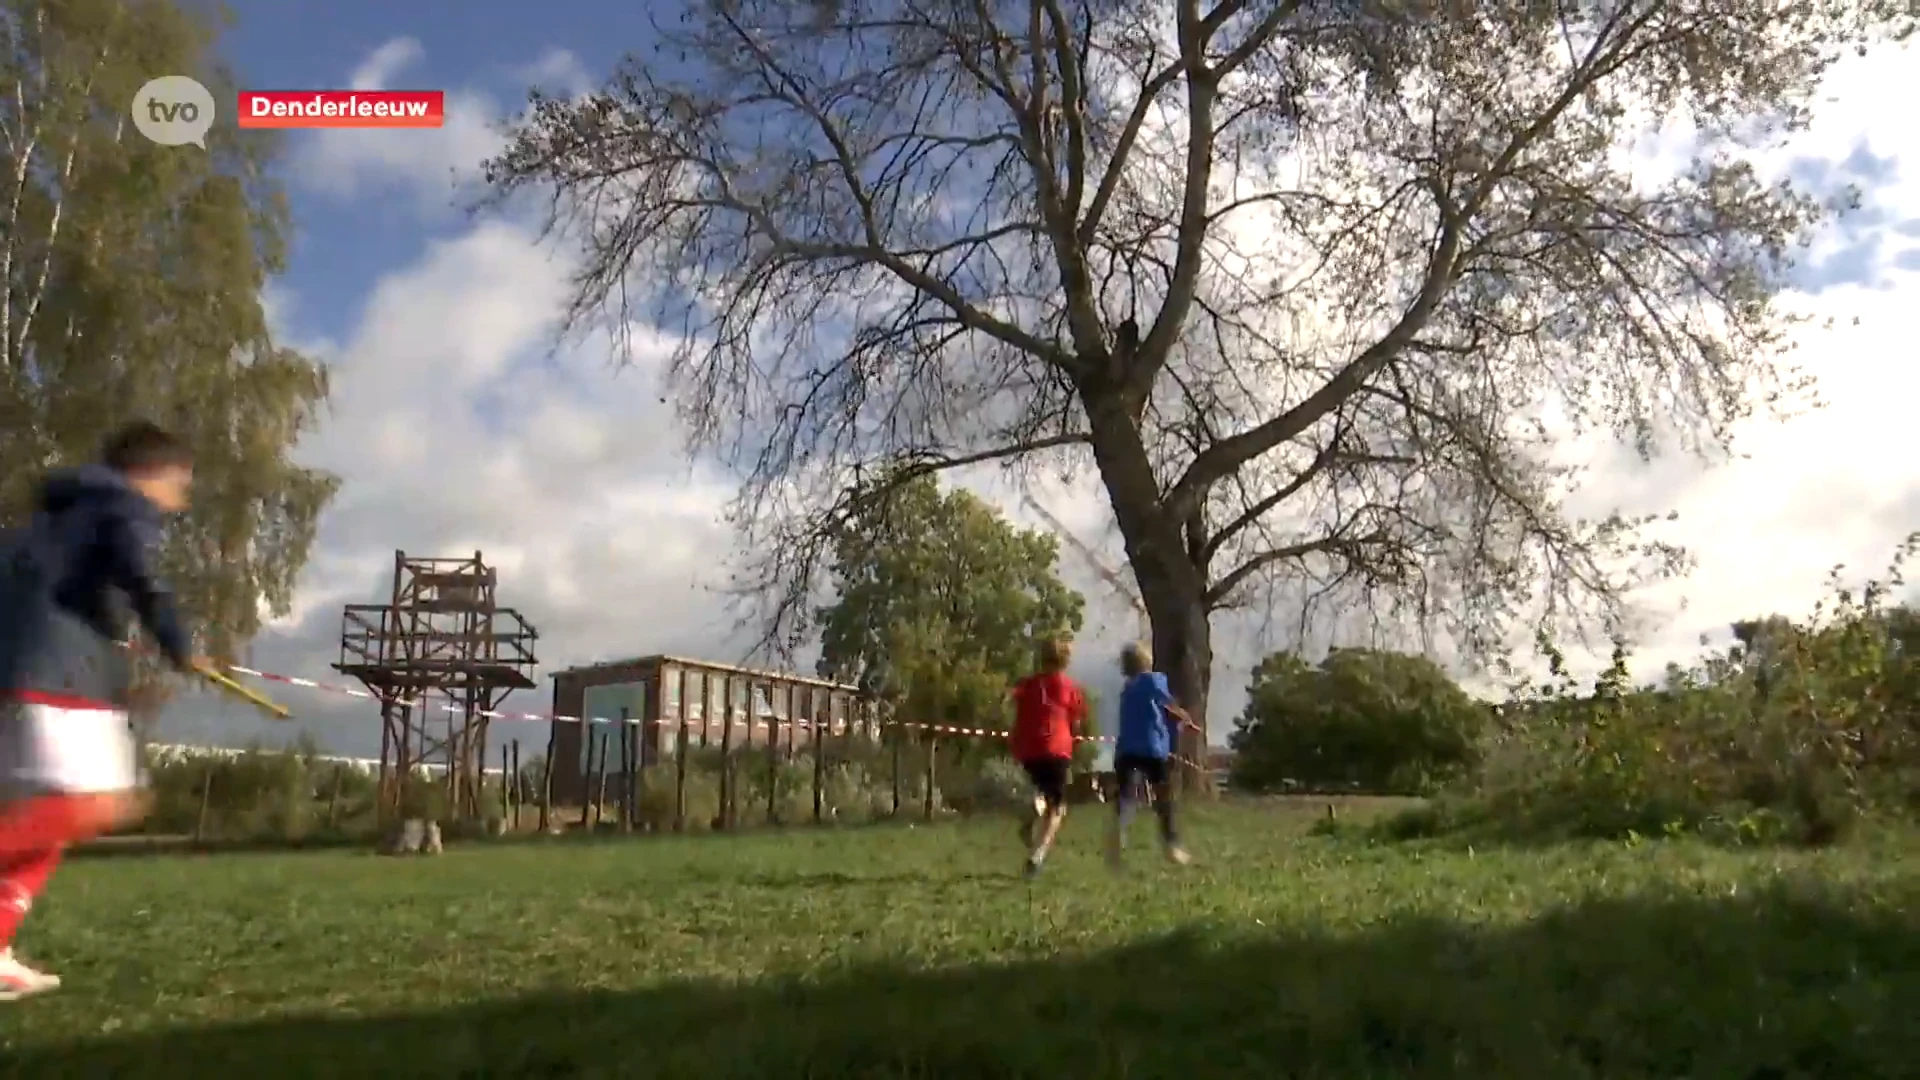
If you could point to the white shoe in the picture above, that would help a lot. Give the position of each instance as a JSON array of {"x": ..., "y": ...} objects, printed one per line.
[
  {"x": 17, "y": 980},
  {"x": 1178, "y": 856}
]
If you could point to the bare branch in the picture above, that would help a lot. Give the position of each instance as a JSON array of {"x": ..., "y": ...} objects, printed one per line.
[{"x": 1218, "y": 593}]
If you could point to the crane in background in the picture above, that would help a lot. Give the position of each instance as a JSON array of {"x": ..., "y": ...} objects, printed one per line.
[{"x": 1112, "y": 577}]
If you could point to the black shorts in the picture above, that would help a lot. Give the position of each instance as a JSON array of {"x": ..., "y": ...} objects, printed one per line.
[
  {"x": 1128, "y": 768},
  {"x": 1049, "y": 776}
]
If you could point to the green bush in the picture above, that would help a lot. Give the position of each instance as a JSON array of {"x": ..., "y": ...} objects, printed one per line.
[
  {"x": 999, "y": 785},
  {"x": 257, "y": 793},
  {"x": 1362, "y": 720},
  {"x": 656, "y": 802},
  {"x": 1794, "y": 734}
]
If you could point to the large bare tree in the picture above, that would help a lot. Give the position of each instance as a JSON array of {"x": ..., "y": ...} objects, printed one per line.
[{"x": 1317, "y": 289}]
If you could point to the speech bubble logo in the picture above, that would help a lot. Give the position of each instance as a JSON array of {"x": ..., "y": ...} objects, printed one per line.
[{"x": 174, "y": 110}]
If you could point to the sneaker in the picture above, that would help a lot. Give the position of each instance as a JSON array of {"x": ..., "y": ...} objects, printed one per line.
[
  {"x": 1178, "y": 856},
  {"x": 1034, "y": 863},
  {"x": 17, "y": 980}
]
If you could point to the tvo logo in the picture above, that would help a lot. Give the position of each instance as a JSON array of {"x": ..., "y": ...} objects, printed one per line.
[{"x": 174, "y": 110}]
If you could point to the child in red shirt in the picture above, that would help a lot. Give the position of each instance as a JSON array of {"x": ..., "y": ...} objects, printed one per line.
[{"x": 1048, "y": 707}]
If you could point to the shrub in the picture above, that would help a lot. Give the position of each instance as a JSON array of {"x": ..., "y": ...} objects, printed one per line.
[
  {"x": 656, "y": 800},
  {"x": 1362, "y": 720},
  {"x": 998, "y": 785},
  {"x": 257, "y": 793},
  {"x": 1794, "y": 734}
]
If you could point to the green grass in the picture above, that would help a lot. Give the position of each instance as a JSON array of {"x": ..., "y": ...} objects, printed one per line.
[{"x": 917, "y": 953}]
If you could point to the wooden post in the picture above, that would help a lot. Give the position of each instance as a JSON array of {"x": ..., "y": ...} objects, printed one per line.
[
  {"x": 600, "y": 780},
  {"x": 898, "y": 736},
  {"x": 519, "y": 793},
  {"x": 479, "y": 780},
  {"x": 626, "y": 768},
  {"x": 646, "y": 740},
  {"x": 680, "y": 757},
  {"x": 933, "y": 757},
  {"x": 333, "y": 797},
  {"x": 206, "y": 794},
  {"x": 840, "y": 708},
  {"x": 586, "y": 773},
  {"x": 506, "y": 783},
  {"x": 630, "y": 752},
  {"x": 706, "y": 710},
  {"x": 636, "y": 768},
  {"x": 793, "y": 719},
  {"x": 546, "y": 777},
  {"x": 819, "y": 760},
  {"x": 726, "y": 752},
  {"x": 382, "y": 802},
  {"x": 773, "y": 748}
]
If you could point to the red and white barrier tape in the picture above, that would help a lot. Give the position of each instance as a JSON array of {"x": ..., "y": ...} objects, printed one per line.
[{"x": 832, "y": 727}]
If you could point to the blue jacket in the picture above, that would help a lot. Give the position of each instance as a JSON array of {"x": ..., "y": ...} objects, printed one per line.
[
  {"x": 67, "y": 582},
  {"x": 1146, "y": 729}
]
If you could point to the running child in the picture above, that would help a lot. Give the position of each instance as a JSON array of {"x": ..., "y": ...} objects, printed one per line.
[
  {"x": 69, "y": 767},
  {"x": 1149, "y": 724},
  {"x": 1048, "y": 708}
]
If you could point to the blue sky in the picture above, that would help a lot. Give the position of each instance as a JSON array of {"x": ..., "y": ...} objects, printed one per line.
[
  {"x": 489, "y": 48},
  {"x": 456, "y": 427}
]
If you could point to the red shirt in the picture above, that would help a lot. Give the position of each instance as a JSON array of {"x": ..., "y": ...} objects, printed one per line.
[{"x": 1045, "y": 708}]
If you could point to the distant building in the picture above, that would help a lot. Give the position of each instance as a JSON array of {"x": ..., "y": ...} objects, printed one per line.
[{"x": 713, "y": 704}]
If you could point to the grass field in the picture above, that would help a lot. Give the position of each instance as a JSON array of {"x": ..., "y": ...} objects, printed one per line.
[{"x": 897, "y": 952}]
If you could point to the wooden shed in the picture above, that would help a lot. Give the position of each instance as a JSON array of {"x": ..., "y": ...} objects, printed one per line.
[{"x": 713, "y": 704}]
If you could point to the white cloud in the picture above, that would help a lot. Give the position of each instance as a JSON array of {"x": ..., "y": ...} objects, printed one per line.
[
  {"x": 456, "y": 428},
  {"x": 557, "y": 71},
  {"x": 429, "y": 164},
  {"x": 1834, "y": 485},
  {"x": 378, "y": 70}
]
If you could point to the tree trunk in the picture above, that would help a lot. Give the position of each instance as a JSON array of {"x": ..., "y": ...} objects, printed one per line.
[
  {"x": 1183, "y": 649},
  {"x": 1171, "y": 586}
]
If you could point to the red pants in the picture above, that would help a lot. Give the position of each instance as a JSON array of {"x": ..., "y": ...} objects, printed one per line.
[{"x": 33, "y": 833}]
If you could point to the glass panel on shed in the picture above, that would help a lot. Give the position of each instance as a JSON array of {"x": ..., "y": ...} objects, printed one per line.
[{"x": 670, "y": 689}]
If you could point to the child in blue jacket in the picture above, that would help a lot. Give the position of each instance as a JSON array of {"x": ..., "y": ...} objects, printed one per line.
[
  {"x": 1149, "y": 729},
  {"x": 69, "y": 767}
]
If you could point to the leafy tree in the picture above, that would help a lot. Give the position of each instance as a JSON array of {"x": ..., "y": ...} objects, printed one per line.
[
  {"x": 939, "y": 602},
  {"x": 133, "y": 277},
  {"x": 1365, "y": 719},
  {"x": 1300, "y": 282}
]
